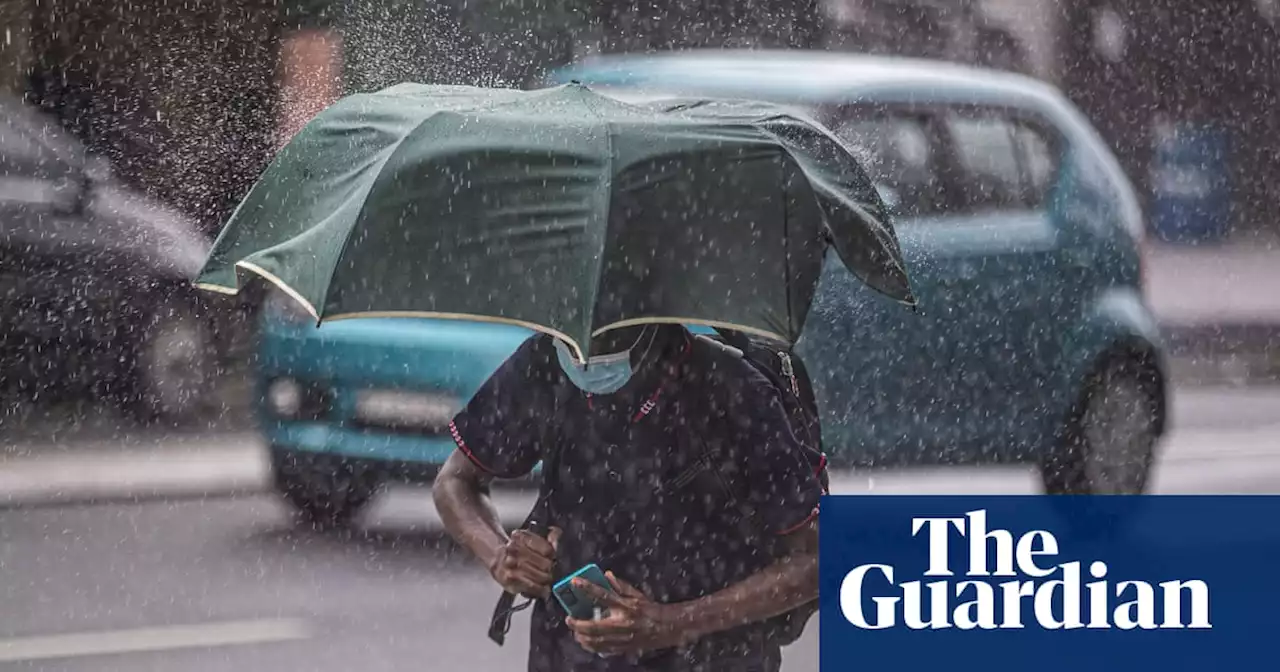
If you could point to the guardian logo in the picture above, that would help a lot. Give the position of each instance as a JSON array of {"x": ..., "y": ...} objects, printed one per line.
[{"x": 1013, "y": 583}]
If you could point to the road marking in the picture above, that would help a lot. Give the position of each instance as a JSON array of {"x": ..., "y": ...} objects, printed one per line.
[{"x": 73, "y": 645}]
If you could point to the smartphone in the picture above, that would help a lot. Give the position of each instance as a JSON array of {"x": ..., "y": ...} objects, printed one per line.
[{"x": 575, "y": 603}]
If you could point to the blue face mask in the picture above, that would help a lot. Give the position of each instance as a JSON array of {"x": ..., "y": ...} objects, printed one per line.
[{"x": 602, "y": 374}]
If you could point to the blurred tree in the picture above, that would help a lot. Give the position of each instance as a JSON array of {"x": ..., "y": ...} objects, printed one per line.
[
  {"x": 522, "y": 38},
  {"x": 429, "y": 41},
  {"x": 514, "y": 42},
  {"x": 178, "y": 94},
  {"x": 998, "y": 48},
  {"x": 916, "y": 28},
  {"x": 651, "y": 25},
  {"x": 15, "y": 19},
  {"x": 1129, "y": 63},
  {"x": 1104, "y": 59},
  {"x": 189, "y": 97}
]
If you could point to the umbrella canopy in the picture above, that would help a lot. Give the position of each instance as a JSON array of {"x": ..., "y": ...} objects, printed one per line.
[{"x": 561, "y": 210}]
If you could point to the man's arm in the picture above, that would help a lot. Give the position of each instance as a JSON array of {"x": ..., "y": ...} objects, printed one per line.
[
  {"x": 776, "y": 589},
  {"x": 521, "y": 563},
  {"x": 461, "y": 495},
  {"x": 636, "y": 623},
  {"x": 500, "y": 434}
]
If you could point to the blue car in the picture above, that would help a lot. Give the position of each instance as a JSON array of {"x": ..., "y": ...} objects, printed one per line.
[{"x": 1033, "y": 343}]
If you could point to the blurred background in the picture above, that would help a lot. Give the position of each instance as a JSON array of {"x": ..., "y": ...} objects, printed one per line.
[{"x": 133, "y": 477}]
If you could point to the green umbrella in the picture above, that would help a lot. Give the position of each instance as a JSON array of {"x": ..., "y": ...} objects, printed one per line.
[{"x": 561, "y": 210}]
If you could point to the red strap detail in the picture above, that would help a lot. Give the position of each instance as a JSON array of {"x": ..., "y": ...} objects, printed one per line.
[
  {"x": 813, "y": 515},
  {"x": 462, "y": 445},
  {"x": 817, "y": 472},
  {"x": 652, "y": 402},
  {"x": 647, "y": 406}
]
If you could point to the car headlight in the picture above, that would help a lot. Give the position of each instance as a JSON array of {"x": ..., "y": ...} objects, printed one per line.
[
  {"x": 290, "y": 399},
  {"x": 284, "y": 397}
]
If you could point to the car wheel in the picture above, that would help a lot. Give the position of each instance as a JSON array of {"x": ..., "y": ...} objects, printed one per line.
[
  {"x": 1108, "y": 445},
  {"x": 172, "y": 369},
  {"x": 325, "y": 493}
]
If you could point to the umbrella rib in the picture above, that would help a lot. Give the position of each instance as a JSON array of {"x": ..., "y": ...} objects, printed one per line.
[
  {"x": 637, "y": 321},
  {"x": 346, "y": 241},
  {"x": 265, "y": 275},
  {"x": 786, "y": 248},
  {"x": 437, "y": 315},
  {"x": 608, "y": 207},
  {"x": 856, "y": 206}
]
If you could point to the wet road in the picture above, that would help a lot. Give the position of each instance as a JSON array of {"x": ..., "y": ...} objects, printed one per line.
[
  {"x": 233, "y": 585},
  {"x": 391, "y": 600}
]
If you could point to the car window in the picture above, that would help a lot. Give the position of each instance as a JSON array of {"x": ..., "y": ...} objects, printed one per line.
[
  {"x": 898, "y": 152},
  {"x": 1040, "y": 162},
  {"x": 1095, "y": 193},
  {"x": 986, "y": 174}
]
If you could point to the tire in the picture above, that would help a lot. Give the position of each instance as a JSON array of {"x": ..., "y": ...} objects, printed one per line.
[
  {"x": 173, "y": 366},
  {"x": 1108, "y": 444},
  {"x": 325, "y": 492}
]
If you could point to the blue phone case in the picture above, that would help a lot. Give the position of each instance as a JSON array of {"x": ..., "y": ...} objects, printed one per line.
[{"x": 575, "y": 603}]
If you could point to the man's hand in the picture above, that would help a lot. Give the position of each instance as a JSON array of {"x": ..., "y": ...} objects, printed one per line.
[
  {"x": 635, "y": 623},
  {"x": 524, "y": 564}
]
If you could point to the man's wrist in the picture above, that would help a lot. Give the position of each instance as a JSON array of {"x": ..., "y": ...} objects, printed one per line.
[
  {"x": 489, "y": 553},
  {"x": 691, "y": 619}
]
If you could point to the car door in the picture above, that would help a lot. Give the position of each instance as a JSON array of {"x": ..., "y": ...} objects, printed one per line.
[
  {"x": 880, "y": 369},
  {"x": 1005, "y": 275}
]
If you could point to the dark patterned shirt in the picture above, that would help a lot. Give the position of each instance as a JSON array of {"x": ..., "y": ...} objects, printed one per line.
[{"x": 643, "y": 484}]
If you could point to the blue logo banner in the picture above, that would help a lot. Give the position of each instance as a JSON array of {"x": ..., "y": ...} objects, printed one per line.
[{"x": 1049, "y": 583}]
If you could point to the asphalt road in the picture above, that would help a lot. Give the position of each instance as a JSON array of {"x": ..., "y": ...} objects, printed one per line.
[{"x": 231, "y": 584}]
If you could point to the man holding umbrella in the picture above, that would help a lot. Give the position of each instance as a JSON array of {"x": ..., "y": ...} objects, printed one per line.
[
  {"x": 635, "y": 429},
  {"x": 667, "y": 458}
]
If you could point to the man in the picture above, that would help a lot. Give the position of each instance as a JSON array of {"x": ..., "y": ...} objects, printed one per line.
[{"x": 677, "y": 473}]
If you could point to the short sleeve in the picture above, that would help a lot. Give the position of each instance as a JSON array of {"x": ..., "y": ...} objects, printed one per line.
[
  {"x": 779, "y": 482},
  {"x": 504, "y": 426}
]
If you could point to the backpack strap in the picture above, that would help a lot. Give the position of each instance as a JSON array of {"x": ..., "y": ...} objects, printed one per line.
[
  {"x": 714, "y": 462},
  {"x": 538, "y": 522},
  {"x": 802, "y": 382},
  {"x": 794, "y": 380},
  {"x": 722, "y": 345},
  {"x": 734, "y": 338}
]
